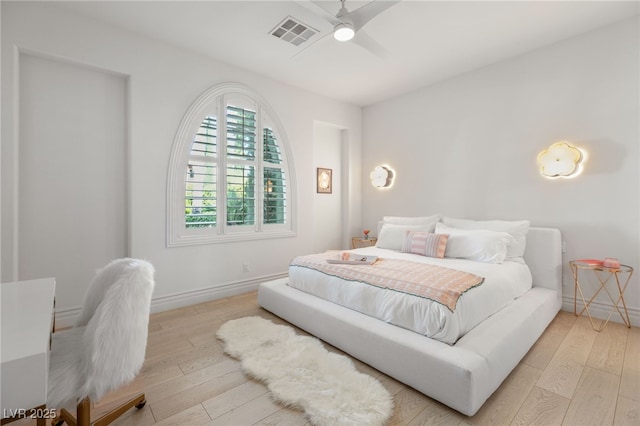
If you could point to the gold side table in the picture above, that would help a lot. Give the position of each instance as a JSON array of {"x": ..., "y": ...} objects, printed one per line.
[
  {"x": 616, "y": 295},
  {"x": 359, "y": 242}
]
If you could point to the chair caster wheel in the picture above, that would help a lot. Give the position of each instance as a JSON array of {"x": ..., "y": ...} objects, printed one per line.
[{"x": 138, "y": 406}]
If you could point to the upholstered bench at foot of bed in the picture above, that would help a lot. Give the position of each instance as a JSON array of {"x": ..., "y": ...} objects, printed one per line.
[{"x": 461, "y": 376}]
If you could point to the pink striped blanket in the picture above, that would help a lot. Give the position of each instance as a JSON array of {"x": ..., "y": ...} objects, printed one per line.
[{"x": 437, "y": 283}]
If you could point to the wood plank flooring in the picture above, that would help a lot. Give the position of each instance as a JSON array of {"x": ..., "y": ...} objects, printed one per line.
[{"x": 573, "y": 375}]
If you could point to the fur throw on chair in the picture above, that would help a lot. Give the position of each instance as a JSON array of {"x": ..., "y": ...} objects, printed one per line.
[{"x": 106, "y": 348}]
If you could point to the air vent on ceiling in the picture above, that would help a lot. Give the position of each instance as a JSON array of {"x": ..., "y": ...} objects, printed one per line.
[{"x": 293, "y": 31}]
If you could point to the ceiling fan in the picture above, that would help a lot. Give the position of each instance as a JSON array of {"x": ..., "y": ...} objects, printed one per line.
[{"x": 347, "y": 25}]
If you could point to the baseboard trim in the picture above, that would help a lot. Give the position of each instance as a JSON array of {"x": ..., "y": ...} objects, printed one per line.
[
  {"x": 66, "y": 317},
  {"x": 601, "y": 311},
  {"x": 178, "y": 300}
]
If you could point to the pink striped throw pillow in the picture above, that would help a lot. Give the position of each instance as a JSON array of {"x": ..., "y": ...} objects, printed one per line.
[{"x": 425, "y": 243}]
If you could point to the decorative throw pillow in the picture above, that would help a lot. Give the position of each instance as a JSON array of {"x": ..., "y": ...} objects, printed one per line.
[
  {"x": 392, "y": 236},
  {"x": 425, "y": 243}
]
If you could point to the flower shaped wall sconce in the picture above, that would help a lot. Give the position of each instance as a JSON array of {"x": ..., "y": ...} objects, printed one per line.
[
  {"x": 382, "y": 177},
  {"x": 561, "y": 160}
]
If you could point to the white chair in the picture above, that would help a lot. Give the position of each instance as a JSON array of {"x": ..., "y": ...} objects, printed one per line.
[{"x": 106, "y": 347}]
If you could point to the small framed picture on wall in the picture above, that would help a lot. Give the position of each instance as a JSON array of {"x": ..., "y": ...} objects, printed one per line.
[{"x": 323, "y": 181}]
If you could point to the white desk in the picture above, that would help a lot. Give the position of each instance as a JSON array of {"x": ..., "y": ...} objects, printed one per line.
[{"x": 26, "y": 323}]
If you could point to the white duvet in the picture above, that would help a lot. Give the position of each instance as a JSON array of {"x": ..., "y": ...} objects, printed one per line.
[{"x": 503, "y": 283}]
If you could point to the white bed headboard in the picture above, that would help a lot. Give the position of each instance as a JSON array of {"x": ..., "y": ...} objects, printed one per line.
[{"x": 544, "y": 257}]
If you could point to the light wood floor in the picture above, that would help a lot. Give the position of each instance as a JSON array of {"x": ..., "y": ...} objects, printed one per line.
[{"x": 572, "y": 376}]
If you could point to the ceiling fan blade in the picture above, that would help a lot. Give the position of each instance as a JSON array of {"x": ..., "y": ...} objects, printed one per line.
[
  {"x": 328, "y": 6},
  {"x": 362, "y": 15},
  {"x": 363, "y": 40},
  {"x": 326, "y": 9}
]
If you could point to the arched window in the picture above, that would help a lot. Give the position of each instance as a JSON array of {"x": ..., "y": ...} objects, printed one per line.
[{"x": 229, "y": 178}]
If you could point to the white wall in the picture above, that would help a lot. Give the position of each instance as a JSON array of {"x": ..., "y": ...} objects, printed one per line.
[
  {"x": 72, "y": 179},
  {"x": 327, "y": 154},
  {"x": 467, "y": 147},
  {"x": 163, "y": 81}
]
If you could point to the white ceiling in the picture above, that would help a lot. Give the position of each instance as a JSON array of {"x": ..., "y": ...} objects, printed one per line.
[{"x": 426, "y": 41}]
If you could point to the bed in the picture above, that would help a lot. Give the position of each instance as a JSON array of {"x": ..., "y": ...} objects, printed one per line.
[{"x": 462, "y": 375}]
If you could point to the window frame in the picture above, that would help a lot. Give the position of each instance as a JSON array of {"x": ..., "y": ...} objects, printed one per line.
[{"x": 215, "y": 100}]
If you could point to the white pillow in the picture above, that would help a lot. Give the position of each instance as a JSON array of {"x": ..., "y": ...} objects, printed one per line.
[
  {"x": 391, "y": 236},
  {"x": 414, "y": 221},
  {"x": 518, "y": 229},
  {"x": 421, "y": 220},
  {"x": 479, "y": 245}
]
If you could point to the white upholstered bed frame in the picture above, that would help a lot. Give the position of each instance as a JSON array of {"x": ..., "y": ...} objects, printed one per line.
[{"x": 462, "y": 375}]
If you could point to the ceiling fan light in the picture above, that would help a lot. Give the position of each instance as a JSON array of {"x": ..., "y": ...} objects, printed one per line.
[{"x": 343, "y": 32}]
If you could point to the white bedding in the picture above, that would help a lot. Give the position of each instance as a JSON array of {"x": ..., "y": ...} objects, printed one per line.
[
  {"x": 462, "y": 376},
  {"x": 503, "y": 283}
]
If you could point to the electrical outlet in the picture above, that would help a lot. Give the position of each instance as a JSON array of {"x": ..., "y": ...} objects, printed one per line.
[
  {"x": 564, "y": 246},
  {"x": 245, "y": 267}
]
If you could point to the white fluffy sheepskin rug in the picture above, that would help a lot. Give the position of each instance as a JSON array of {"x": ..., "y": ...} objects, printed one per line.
[{"x": 301, "y": 373}]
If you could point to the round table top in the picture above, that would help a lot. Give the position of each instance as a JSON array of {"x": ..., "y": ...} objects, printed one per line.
[{"x": 599, "y": 267}]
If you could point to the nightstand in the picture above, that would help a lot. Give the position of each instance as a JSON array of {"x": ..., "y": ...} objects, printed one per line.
[
  {"x": 359, "y": 242},
  {"x": 604, "y": 275}
]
